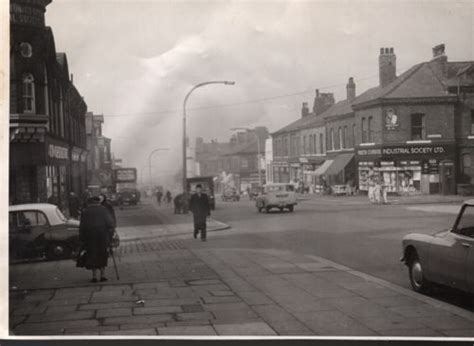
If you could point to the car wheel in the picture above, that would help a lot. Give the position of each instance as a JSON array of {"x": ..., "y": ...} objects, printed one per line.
[
  {"x": 291, "y": 208},
  {"x": 417, "y": 279},
  {"x": 58, "y": 250},
  {"x": 267, "y": 209}
]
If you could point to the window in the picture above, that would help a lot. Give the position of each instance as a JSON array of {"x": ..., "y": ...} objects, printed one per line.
[
  {"x": 362, "y": 129},
  {"x": 244, "y": 163},
  {"x": 339, "y": 134},
  {"x": 315, "y": 137},
  {"x": 311, "y": 150},
  {"x": 31, "y": 218},
  {"x": 369, "y": 130},
  {"x": 466, "y": 164},
  {"x": 331, "y": 138},
  {"x": 28, "y": 94},
  {"x": 321, "y": 143},
  {"x": 353, "y": 135},
  {"x": 472, "y": 122},
  {"x": 466, "y": 222},
  {"x": 344, "y": 137},
  {"x": 417, "y": 126}
]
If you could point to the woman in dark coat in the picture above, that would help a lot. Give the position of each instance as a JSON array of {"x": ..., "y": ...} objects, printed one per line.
[{"x": 95, "y": 232}]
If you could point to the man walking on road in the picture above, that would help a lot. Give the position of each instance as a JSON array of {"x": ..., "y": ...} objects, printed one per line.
[{"x": 199, "y": 206}]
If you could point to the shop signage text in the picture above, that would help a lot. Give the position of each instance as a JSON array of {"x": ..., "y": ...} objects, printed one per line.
[
  {"x": 20, "y": 14},
  {"x": 413, "y": 150},
  {"x": 57, "y": 152}
]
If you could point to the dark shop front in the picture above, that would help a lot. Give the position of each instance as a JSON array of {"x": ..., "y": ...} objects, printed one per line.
[{"x": 418, "y": 168}]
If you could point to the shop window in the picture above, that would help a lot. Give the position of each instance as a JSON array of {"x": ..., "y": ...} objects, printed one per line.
[
  {"x": 28, "y": 93},
  {"x": 466, "y": 164},
  {"x": 369, "y": 129},
  {"x": 472, "y": 122},
  {"x": 418, "y": 126},
  {"x": 363, "y": 131}
]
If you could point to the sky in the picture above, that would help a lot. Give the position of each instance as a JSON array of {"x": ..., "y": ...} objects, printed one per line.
[{"x": 135, "y": 60}]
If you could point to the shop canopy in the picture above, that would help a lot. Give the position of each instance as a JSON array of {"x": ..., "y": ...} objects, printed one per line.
[
  {"x": 321, "y": 170},
  {"x": 339, "y": 163}
]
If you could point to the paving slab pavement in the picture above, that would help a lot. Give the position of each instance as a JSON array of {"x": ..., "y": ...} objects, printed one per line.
[{"x": 193, "y": 288}]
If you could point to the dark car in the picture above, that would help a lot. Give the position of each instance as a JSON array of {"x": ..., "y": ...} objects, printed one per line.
[
  {"x": 230, "y": 195},
  {"x": 41, "y": 230},
  {"x": 129, "y": 196}
]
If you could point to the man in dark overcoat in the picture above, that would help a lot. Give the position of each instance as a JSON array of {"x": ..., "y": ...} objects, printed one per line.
[
  {"x": 95, "y": 232},
  {"x": 199, "y": 206}
]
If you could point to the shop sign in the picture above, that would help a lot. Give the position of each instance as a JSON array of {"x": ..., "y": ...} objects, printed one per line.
[
  {"x": 391, "y": 120},
  {"x": 75, "y": 156},
  {"x": 366, "y": 163},
  {"x": 418, "y": 150},
  {"x": 387, "y": 163},
  {"x": 303, "y": 160},
  {"x": 364, "y": 152},
  {"x": 57, "y": 152},
  {"x": 295, "y": 165},
  {"x": 28, "y": 15}
]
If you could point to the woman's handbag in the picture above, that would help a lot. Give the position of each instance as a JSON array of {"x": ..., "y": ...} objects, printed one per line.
[
  {"x": 81, "y": 259},
  {"x": 115, "y": 242}
]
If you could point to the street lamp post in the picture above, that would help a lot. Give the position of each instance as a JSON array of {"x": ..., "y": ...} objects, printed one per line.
[
  {"x": 184, "y": 124},
  {"x": 258, "y": 152},
  {"x": 149, "y": 162}
]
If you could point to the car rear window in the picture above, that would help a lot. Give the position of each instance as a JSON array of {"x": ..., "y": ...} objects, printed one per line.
[
  {"x": 61, "y": 215},
  {"x": 275, "y": 188}
]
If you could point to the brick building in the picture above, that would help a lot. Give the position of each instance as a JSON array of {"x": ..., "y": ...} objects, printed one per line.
[
  {"x": 300, "y": 147},
  {"x": 412, "y": 129},
  {"x": 99, "y": 160},
  {"x": 47, "y": 113}
]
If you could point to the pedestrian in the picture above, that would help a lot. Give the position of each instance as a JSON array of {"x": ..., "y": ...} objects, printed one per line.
[
  {"x": 370, "y": 193},
  {"x": 377, "y": 190},
  {"x": 177, "y": 204},
  {"x": 95, "y": 233},
  {"x": 384, "y": 192},
  {"x": 168, "y": 197},
  {"x": 105, "y": 203},
  {"x": 159, "y": 196},
  {"x": 74, "y": 205},
  {"x": 199, "y": 206}
]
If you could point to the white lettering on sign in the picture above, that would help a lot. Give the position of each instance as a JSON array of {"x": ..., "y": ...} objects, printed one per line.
[
  {"x": 413, "y": 151},
  {"x": 75, "y": 156},
  {"x": 57, "y": 152}
]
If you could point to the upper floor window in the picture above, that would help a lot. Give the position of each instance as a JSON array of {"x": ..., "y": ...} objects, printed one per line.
[
  {"x": 472, "y": 122},
  {"x": 344, "y": 137},
  {"x": 321, "y": 143},
  {"x": 353, "y": 135},
  {"x": 341, "y": 140},
  {"x": 418, "y": 126},
  {"x": 28, "y": 93},
  {"x": 363, "y": 131},
  {"x": 315, "y": 137},
  {"x": 369, "y": 129},
  {"x": 331, "y": 140}
]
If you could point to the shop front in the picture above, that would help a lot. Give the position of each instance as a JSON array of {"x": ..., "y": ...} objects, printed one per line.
[
  {"x": 408, "y": 169},
  {"x": 38, "y": 172},
  {"x": 280, "y": 172}
]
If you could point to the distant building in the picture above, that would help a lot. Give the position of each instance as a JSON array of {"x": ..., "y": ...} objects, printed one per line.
[{"x": 47, "y": 113}]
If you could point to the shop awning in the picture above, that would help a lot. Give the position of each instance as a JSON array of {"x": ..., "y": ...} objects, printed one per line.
[
  {"x": 321, "y": 170},
  {"x": 339, "y": 163}
]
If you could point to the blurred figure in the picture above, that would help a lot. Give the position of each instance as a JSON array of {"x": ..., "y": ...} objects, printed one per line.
[
  {"x": 159, "y": 196},
  {"x": 105, "y": 203},
  {"x": 168, "y": 197},
  {"x": 95, "y": 233},
  {"x": 74, "y": 205},
  {"x": 200, "y": 207}
]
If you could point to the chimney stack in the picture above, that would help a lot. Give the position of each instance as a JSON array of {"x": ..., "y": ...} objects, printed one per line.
[
  {"x": 72, "y": 78},
  {"x": 304, "y": 110},
  {"x": 322, "y": 102},
  {"x": 351, "y": 89},
  {"x": 439, "y": 60},
  {"x": 387, "y": 66}
]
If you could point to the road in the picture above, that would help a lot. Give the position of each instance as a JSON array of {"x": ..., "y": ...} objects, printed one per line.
[{"x": 351, "y": 232}]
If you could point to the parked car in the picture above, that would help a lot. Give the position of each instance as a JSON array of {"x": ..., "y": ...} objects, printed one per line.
[
  {"x": 113, "y": 198},
  {"x": 128, "y": 196},
  {"x": 230, "y": 195},
  {"x": 40, "y": 229},
  {"x": 281, "y": 196},
  {"x": 445, "y": 257}
]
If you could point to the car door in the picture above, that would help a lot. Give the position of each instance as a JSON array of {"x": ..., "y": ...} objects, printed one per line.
[
  {"x": 449, "y": 252},
  {"x": 31, "y": 227}
]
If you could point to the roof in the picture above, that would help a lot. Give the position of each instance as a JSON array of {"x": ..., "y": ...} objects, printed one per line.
[
  {"x": 309, "y": 121},
  {"x": 32, "y": 206},
  {"x": 420, "y": 81},
  {"x": 340, "y": 108}
]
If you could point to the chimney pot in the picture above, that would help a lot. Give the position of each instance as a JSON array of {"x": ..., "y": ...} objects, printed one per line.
[
  {"x": 351, "y": 89},
  {"x": 438, "y": 50},
  {"x": 317, "y": 92}
]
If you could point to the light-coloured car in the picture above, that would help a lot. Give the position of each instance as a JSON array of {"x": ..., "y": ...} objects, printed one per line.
[
  {"x": 41, "y": 229},
  {"x": 445, "y": 257},
  {"x": 281, "y": 196}
]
